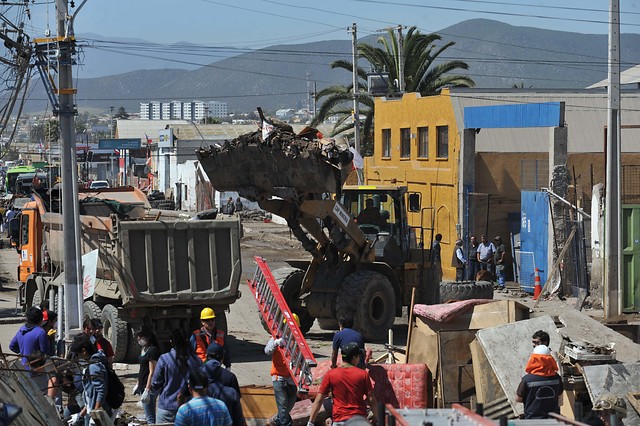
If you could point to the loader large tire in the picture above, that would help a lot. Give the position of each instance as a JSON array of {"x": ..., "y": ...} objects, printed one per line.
[
  {"x": 369, "y": 297},
  {"x": 290, "y": 280},
  {"x": 116, "y": 331},
  {"x": 37, "y": 298},
  {"x": 465, "y": 290},
  {"x": 90, "y": 310}
]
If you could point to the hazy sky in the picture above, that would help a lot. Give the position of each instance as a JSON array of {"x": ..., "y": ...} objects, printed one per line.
[{"x": 259, "y": 23}]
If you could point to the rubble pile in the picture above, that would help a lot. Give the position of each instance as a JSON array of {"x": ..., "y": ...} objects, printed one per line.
[
  {"x": 275, "y": 161},
  {"x": 254, "y": 215}
]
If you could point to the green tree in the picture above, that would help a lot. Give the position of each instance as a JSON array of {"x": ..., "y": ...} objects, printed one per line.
[
  {"x": 45, "y": 133},
  {"x": 122, "y": 114},
  {"x": 419, "y": 71}
]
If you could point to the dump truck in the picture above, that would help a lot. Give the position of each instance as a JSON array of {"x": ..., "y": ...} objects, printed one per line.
[
  {"x": 150, "y": 268},
  {"x": 368, "y": 271}
]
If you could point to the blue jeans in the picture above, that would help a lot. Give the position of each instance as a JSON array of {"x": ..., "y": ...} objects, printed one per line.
[
  {"x": 165, "y": 416},
  {"x": 150, "y": 410},
  {"x": 500, "y": 275},
  {"x": 286, "y": 396}
]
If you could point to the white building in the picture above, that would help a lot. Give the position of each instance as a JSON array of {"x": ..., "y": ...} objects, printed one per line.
[{"x": 178, "y": 110}]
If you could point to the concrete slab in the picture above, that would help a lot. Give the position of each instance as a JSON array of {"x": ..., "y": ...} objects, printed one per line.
[
  {"x": 508, "y": 348},
  {"x": 581, "y": 327},
  {"x": 614, "y": 379}
]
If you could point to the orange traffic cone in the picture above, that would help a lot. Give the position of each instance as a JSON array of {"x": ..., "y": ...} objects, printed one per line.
[{"x": 537, "y": 289}]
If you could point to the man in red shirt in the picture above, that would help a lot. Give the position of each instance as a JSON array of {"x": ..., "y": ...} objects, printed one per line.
[{"x": 350, "y": 386}]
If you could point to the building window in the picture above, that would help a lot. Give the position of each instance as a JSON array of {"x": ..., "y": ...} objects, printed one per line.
[
  {"x": 405, "y": 143},
  {"x": 386, "y": 142},
  {"x": 443, "y": 141},
  {"x": 423, "y": 142}
]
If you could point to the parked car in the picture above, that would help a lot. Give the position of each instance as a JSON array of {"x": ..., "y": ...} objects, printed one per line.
[{"x": 99, "y": 184}]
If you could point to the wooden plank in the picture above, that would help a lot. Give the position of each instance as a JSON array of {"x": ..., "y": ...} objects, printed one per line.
[
  {"x": 456, "y": 369},
  {"x": 556, "y": 265},
  {"x": 258, "y": 402},
  {"x": 634, "y": 400},
  {"x": 488, "y": 387}
]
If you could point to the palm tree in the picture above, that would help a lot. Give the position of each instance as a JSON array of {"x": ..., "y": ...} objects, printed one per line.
[{"x": 419, "y": 72}]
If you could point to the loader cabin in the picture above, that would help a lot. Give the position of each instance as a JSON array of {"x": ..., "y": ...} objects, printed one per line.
[{"x": 381, "y": 213}]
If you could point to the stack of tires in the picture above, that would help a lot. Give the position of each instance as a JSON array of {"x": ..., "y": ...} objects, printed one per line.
[{"x": 451, "y": 291}]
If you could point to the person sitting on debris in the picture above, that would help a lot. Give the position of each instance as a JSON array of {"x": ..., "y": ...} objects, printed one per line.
[
  {"x": 347, "y": 335},
  {"x": 284, "y": 388},
  {"x": 605, "y": 407},
  {"x": 102, "y": 344},
  {"x": 350, "y": 386},
  {"x": 208, "y": 333},
  {"x": 370, "y": 215},
  {"x": 541, "y": 388},
  {"x": 229, "y": 208}
]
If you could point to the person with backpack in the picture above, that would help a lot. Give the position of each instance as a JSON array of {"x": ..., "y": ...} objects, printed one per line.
[
  {"x": 223, "y": 384},
  {"x": 170, "y": 375},
  {"x": 148, "y": 359},
  {"x": 95, "y": 380}
]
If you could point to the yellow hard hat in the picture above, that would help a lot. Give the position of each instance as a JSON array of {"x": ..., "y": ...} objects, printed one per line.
[
  {"x": 207, "y": 313},
  {"x": 295, "y": 317}
]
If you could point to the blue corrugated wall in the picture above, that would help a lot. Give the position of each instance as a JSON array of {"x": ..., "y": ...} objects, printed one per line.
[{"x": 534, "y": 235}]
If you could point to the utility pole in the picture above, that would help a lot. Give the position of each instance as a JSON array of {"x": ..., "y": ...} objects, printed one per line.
[
  {"x": 356, "y": 106},
  {"x": 70, "y": 218},
  {"x": 613, "y": 218}
]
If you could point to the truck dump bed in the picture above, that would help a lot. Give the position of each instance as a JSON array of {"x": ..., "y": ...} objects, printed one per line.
[
  {"x": 182, "y": 261},
  {"x": 283, "y": 164}
]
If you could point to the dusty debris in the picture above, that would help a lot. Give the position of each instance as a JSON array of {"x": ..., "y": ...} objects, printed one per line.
[{"x": 275, "y": 161}]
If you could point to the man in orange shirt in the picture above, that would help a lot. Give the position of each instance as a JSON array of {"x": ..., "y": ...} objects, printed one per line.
[
  {"x": 350, "y": 386},
  {"x": 207, "y": 334},
  {"x": 284, "y": 388}
]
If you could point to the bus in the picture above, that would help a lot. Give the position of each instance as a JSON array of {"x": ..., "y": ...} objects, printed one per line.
[{"x": 12, "y": 176}]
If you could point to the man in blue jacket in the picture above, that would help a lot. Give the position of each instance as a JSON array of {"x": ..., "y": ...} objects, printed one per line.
[{"x": 31, "y": 337}]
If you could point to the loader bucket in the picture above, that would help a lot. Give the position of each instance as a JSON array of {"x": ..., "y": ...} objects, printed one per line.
[{"x": 286, "y": 165}]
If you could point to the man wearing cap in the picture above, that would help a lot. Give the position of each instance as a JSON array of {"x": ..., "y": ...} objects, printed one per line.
[
  {"x": 350, "y": 386},
  {"x": 208, "y": 333},
  {"x": 346, "y": 335},
  {"x": 458, "y": 261},
  {"x": 223, "y": 384},
  {"x": 541, "y": 388},
  {"x": 284, "y": 388},
  {"x": 202, "y": 409},
  {"x": 498, "y": 259}
]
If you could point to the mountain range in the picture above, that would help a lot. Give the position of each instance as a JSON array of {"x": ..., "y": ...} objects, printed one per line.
[{"x": 499, "y": 56}]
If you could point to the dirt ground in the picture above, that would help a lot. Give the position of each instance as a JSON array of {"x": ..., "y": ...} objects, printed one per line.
[{"x": 247, "y": 337}]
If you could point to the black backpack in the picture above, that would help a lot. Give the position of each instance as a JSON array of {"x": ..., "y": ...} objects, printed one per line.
[{"x": 115, "y": 389}]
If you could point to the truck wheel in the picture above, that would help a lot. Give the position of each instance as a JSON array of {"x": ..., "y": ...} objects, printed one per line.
[
  {"x": 133, "y": 349},
  {"x": 37, "y": 298},
  {"x": 369, "y": 297},
  {"x": 328, "y": 323},
  {"x": 465, "y": 290},
  {"x": 91, "y": 310},
  {"x": 291, "y": 280},
  {"x": 116, "y": 332}
]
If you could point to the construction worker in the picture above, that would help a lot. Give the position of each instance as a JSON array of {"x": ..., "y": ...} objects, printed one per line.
[
  {"x": 208, "y": 333},
  {"x": 540, "y": 390},
  {"x": 284, "y": 388},
  {"x": 350, "y": 386}
]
